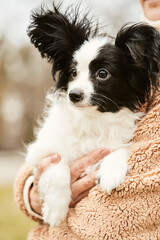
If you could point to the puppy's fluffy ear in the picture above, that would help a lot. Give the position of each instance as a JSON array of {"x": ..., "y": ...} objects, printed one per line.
[
  {"x": 58, "y": 35},
  {"x": 140, "y": 44}
]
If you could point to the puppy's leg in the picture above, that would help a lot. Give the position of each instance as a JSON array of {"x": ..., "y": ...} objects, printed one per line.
[
  {"x": 36, "y": 152},
  {"x": 54, "y": 188},
  {"x": 113, "y": 170}
]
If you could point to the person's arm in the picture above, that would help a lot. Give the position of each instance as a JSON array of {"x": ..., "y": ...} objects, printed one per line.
[
  {"x": 26, "y": 185},
  {"x": 22, "y": 185}
]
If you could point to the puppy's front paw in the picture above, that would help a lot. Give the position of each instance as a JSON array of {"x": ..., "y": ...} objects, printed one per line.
[
  {"x": 54, "y": 189},
  {"x": 111, "y": 174},
  {"x": 54, "y": 213}
]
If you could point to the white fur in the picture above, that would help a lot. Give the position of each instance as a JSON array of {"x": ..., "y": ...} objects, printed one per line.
[
  {"x": 113, "y": 170},
  {"x": 83, "y": 57},
  {"x": 54, "y": 188},
  {"x": 88, "y": 51},
  {"x": 75, "y": 130}
]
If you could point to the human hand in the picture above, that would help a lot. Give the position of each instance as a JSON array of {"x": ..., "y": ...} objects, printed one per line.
[{"x": 79, "y": 186}]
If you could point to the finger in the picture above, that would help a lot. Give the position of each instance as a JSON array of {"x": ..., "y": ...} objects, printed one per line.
[
  {"x": 53, "y": 159},
  {"x": 80, "y": 165},
  {"x": 79, "y": 198},
  {"x": 83, "y": 184},
  {"x": 45, "y": 163},
  {"x": 35, "y": 201}
]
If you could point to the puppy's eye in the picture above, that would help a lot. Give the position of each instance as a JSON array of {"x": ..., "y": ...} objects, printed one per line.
[
  {"x": 103, "y": 74},
  {"x": 73, "y": 73}
]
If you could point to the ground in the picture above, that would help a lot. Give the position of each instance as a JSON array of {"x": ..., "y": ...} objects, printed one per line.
[{"x": 14, "y": 225}]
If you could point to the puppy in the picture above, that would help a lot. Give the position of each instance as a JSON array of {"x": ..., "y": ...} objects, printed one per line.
[{"x": 100, "y": 84}]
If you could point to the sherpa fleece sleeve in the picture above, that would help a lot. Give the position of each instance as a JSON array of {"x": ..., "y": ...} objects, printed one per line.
[{"x": 23, "y": 182}]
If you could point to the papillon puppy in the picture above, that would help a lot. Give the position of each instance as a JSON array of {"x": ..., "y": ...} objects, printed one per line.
[{"x": 101, "y": 82}]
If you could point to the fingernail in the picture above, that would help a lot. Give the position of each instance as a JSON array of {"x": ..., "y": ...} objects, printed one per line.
[{"x": 55, "y": 158}]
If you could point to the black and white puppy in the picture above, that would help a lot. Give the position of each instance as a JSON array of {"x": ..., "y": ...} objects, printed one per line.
[{"x": 101, "y": 84}]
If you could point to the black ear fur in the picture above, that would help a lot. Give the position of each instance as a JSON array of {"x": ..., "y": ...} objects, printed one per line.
[
  {"x": 58, "y": 35},
  {"x": 140, "y": 44}
]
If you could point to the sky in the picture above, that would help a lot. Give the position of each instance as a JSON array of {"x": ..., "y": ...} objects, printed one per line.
[
  {"x": 15, "y": 15},
  {"x": 14, "y": 18}
]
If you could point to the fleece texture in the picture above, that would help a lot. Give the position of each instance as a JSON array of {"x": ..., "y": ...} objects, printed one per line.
[{"x": 131, "y": 212}]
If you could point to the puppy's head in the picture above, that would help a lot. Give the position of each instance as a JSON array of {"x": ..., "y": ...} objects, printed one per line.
[{"x": 97, "y": 70}]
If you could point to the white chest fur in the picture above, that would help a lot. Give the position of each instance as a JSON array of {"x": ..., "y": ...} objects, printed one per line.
[{"x": 73, "y": 132}]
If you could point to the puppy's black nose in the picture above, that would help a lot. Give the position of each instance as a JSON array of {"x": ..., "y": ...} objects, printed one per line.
[{"x": 76, "y": 95}]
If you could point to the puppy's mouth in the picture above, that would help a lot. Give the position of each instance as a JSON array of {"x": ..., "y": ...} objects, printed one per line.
[{"x": 82, "y": 104}]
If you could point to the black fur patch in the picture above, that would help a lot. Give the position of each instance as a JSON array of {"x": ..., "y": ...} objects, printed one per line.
[
  {"x": 134, "y": 65},
  {"x": 58, "y": 35}
]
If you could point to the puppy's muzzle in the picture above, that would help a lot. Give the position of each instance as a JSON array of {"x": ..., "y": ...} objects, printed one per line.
[{"x": 76, "y": 95}]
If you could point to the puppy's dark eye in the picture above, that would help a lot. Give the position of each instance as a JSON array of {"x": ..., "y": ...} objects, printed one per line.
[
  {"x": 73, "y": 73},
  {"x": 103, "y": 74}
]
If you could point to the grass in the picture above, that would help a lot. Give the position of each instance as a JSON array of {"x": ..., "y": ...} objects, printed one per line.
[{"x": 14, "y": 225}]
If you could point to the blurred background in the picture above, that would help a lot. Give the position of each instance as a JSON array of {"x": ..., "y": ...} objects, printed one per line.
[{"x": 24, "y": 81}]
